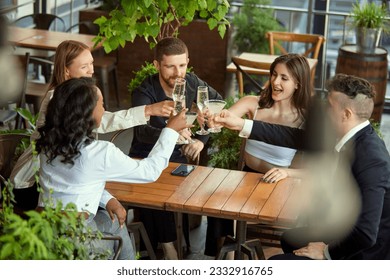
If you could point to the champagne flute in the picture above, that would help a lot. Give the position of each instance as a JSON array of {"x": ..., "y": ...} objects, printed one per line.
[
  {"x": 215, "y": 106},
  {"x": 202, "y": 97},
  {"x": 178, "y": 95},
  {"x": 190, "y": 118}
]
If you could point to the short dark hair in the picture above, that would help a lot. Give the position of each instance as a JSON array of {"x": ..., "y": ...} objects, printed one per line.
[
  {"x": 69, "y": 120},
  {"x": 359, "y": 91},
  {"x": 169, "y": 46},
  {"x": 350, "y": 85}
]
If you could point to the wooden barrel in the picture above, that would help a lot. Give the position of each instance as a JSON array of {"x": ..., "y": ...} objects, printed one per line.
[{"x": 372, "y": 67}]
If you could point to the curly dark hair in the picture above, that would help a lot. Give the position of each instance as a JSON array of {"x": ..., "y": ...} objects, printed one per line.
[
  {"x": 350, "y": 85},
  {"x": 69, "y": 120},
  {"x": 359, "y": 92},
  {"x": 299, "y": 68}
]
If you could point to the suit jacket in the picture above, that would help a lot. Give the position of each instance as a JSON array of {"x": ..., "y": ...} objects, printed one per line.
[{"x": 370, "y": 166}]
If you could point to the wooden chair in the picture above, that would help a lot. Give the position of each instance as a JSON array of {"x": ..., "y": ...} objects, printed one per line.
[
  {"x": 103, "y": 64},
  {"x": 241, "y": 65},
  {"x": 309, "y": 44},
  {"x": 35, "y": 92},
  {"x": 8, "y": 115},
  {"x": 45, "y": 22}
]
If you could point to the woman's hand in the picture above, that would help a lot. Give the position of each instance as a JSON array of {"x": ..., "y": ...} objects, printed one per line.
[
  {"x": 275, "y": 175},
  {"x": 115, "y": 208},
  {"x": 178, "y": 122}
]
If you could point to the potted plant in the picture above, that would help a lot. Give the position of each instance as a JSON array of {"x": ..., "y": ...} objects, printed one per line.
[
  {"x": 369, "y": 20},
  {"x": 251, "y": 25},
  {"x": 202, "y": 42},
  {"x": 153, "y": 20}
]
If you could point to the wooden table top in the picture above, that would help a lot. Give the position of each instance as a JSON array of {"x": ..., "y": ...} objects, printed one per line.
[
  {"x": 267, "y": 58},
  {"x": 215, "y": 192},
  {"x": 44, "y": 39}
]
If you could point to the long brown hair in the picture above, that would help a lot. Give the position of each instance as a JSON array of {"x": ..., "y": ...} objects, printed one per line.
[
  {"x": 66, "y": 52},
  {"x": 299, "y": 68}
]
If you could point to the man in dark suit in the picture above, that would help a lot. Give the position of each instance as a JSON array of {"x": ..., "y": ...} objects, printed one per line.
[{"x": 350, "y": 104}]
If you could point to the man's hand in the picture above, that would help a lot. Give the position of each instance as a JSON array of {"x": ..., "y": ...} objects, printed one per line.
[
  {"x": 115, "y": 208},
  {"x": 185, "y": 134},
  {"x": 229, "y": 120},
  {"x": 161, "y": 109},
  {"x": 314, "y": 250},
  {"x": 192, "y": 150}
]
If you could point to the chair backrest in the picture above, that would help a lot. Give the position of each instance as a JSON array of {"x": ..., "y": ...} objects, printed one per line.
[
  {"x": 85, "y": 27},
  {"x": 123, "y": 139},
  {"x": 242, "y": 65},
  {"x": 309, "y": 44},
  {"x": 42, "y": 21},
  {"x": 45, "y": 63}
]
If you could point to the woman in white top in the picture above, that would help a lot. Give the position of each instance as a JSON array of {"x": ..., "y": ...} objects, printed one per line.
[
  {"x": 73, "y": 59},
  {"x": 75, "y": 166},
  {"x": 283, "y": 101}
]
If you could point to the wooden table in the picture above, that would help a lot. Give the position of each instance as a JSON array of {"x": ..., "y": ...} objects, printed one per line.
[
  {"x": 44, "y": 39},
  {"x": 221, "y": 193}
]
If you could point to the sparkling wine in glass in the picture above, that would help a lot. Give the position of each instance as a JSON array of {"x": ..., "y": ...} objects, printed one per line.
[
  {"x": 202, "y": 97},
  {"x": 215, "y": 107},
  {"x": 178, "y": 95}
]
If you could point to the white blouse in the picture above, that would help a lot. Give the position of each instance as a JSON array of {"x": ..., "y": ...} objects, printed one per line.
[{"x": 101, "y": 161}]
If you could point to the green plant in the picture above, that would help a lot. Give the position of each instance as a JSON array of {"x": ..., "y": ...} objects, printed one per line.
[
  {"x": 225, "y": 146},
  {"x": 377, "y": 127},
  {"x": 146, "y": 70},
  {"x": 156, "y": 19},
  {"x": 369, "y": 15},
  {"x": 53, "y": 233},
  {"x": 251, "y": 24}
]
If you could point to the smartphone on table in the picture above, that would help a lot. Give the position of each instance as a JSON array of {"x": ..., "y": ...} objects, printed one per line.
[{"x": 183, "y": 170}]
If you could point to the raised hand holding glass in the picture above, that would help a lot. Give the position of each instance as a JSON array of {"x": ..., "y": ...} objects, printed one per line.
[
  {"x": 215, "y": 107},
  {"x": 190, "y": 118}
]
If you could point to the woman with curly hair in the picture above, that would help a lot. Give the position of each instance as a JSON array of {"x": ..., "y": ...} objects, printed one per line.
[
  {"x": 75, "y": 166},
  {"x": 74, "y": 59}
]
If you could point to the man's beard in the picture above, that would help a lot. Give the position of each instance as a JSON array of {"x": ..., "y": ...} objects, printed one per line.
[{"x": 170, "y": 81}]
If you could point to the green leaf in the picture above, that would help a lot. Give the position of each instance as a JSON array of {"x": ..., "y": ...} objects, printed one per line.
[
  {"x": 147, "y": 3},
  {"x": 152, "y": 30},
  {"x": 212, "y": 23},
  {"x": 212, "y": 4},
  {"x": 222, "y": 30},
  {"x": 129, "y": 6},
  {"x": 202, "y": 4}
]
